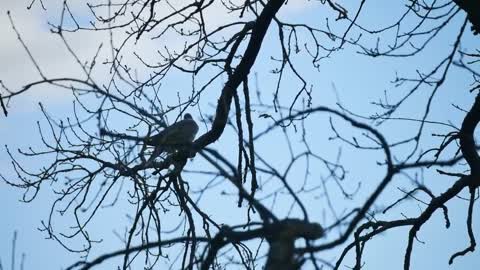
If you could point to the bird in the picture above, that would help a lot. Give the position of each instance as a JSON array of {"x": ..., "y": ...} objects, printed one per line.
[{"x": 173, "y": 137}]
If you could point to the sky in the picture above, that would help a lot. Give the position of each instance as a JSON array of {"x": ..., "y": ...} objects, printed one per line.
[{"x": 351, "y": 78}]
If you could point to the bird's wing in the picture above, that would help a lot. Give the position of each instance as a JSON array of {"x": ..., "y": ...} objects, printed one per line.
[{"x": 157, "y": 138}]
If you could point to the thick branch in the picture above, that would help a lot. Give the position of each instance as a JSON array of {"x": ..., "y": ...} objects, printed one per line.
[
  {"x": 241, "y": 72},
  {"x": 467, "y": 141},
  {"x": 472, "y": 8}
]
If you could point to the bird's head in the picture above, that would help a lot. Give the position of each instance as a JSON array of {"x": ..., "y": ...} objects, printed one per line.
[{"x": 187, "y": 116}]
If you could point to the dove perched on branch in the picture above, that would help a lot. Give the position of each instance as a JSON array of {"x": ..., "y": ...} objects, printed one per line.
[{"x": 174, "y": 136}]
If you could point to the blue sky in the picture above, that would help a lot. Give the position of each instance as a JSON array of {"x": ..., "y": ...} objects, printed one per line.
[{"x": 358, "y": 79}]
